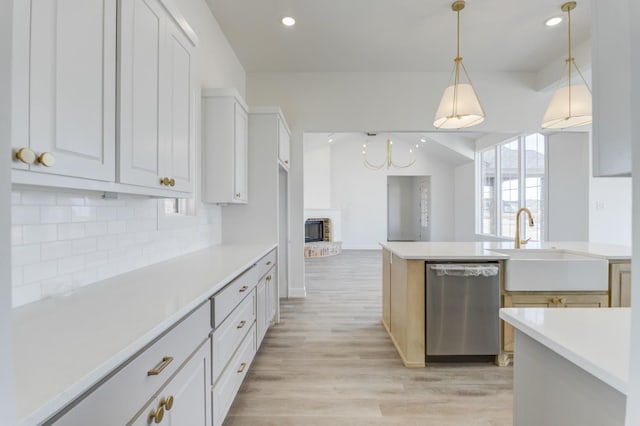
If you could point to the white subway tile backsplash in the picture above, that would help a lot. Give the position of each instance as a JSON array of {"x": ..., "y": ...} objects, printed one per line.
[
  {"x": 25, "y": 215},
  {"x": 39, "y": 233},
  {"x": 71, "y": 264},
  {"x": 85, "y": 245},
  {"x": 55, "y": 250},
  {"x": 39, "y": 272},
  {"x": 25, "y": 255},
  {"x": 65, "y": 240},
  {"x": 16, "y": 235},
  {"x": 71, "y": 231},
  {"x": 94, "y": 229},
  {"x": 83, "y": 213},
  {"x": 38, "y": 198},
  {"x": 58, "y": 214}
]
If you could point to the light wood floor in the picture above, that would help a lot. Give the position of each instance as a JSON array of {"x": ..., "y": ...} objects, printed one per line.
[{"x": 330, "y": 362}]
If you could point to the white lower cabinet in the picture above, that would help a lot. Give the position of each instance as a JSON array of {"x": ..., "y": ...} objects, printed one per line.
[
  {"x": 185, "y": 399},
  {"x": 128, "y": 393},
  {"x": 226, "y": 388}
]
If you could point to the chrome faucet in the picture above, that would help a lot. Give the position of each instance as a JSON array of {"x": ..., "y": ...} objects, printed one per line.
[{"x": 528, "y": 212}]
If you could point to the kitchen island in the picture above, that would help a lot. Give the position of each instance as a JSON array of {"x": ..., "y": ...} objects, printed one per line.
[
  {"x": 403, "y": 287},
  {"x": 572, "y": 365}
]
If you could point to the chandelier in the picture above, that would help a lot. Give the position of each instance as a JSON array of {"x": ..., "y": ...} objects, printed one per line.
[
  {"x": 570, "y": 105},
  {"x": 388, "y": 162},
  {"x": 459, "y": 106}
]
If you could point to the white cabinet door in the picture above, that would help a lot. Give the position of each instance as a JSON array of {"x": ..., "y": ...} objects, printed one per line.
[
  {"x": 141, "y": 41},
  {"x": 241, "y": 154},
  {"x": 272, "y": 297},
  {"x": 156, "y": 140},
  {"x": 261, "y": 311},
  {"x": 64, "y": 66},
  {"x": 185, "y": 400},
  {"x": 177, "y": 148},
  {"x": 611, "y": 81},
  {"x": 225, "y": 143},
  {"x": 283, "y": 143}
]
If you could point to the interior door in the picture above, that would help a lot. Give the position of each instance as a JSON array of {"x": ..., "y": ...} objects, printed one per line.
[{"x": 403, "y": 209}]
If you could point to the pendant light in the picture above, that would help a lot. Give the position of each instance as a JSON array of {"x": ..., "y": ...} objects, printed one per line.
[
  {"x": 570, "y": 105},
  {"x": 459, "y": 106}
]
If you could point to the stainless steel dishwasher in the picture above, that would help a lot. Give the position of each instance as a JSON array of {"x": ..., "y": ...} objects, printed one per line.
[{"x": 462, "y": 304}]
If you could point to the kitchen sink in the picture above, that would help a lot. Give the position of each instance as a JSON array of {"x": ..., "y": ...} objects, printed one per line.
[{"x": 554, "y": 270}]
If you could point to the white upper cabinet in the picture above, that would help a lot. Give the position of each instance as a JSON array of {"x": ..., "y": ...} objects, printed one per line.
[
  {"x": 611, "y": 82},
  {"x": 64, "y": 69},
  {"x": 283, "y": 143},
  {"x": 225, "y": 141},
  {"x": 156, "y": 111}
]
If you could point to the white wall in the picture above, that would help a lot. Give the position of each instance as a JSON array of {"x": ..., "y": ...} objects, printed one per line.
[
  {"x": 317, "y": 172},
  {"x": 568, "y": 187},
  {"x": 386, "y": 101},
  {"x": 7, "y": 384},
  {"x": 464, "y": 203},
  {"x": 361, "y": 193},
  {"x": 62, "y": 240}
]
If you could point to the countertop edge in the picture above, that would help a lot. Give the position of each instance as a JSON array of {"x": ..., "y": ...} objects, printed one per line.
[
  {"x": 507, "y": 314},
  {"x": 102, "y": 371}
]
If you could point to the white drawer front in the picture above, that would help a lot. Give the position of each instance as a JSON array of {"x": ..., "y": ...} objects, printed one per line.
[
  {"x": 224, "y": 392},
  {"x": 121, "y": 396},
  {"x": 266, "y": 263},
  {"x": 226, "y": 300},
  {"x": 228, "y": 336}
]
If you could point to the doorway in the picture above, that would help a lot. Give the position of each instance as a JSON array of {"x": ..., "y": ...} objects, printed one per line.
[{"x": 408, "y": 208}]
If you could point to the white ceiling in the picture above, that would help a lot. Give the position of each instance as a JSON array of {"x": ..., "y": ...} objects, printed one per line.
[{"x": 396, "y": 35}]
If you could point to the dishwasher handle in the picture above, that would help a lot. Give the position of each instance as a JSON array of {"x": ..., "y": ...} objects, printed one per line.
[{"x": 465, "y": 269}]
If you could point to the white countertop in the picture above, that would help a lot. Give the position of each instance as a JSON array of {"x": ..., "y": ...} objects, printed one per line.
[
  {"x": 595, "y": 339},
  {"x": 64, "y": 345},
  {"x": 483, "y": 250}
]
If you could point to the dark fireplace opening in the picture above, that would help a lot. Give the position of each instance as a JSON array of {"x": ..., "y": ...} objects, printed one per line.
[{"x": 313, "y": 231}]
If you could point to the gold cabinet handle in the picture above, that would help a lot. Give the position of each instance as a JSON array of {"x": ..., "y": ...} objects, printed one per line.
[
  {"x": 26, "y": 155},
  {"x": 167, "y": 403},
  {"x": 286, "y": 161},
  {"x": 243, "y": 289},
  {"x": 156, "y": 415},
  {"x": 268, "y": 263},
  {"x": 165, "y": 181},
  {"x": 242, "y": 323},
  {"x": 242, "y": 367},
  {"x": 268, "y": 277},
  {"x": 237, "y": 195},
  {"x": 166, "y": 360},
  {"x": 47, "y": 159},
  {"x": 172, "y": 182},
  {"x": 563, "y": 300}
]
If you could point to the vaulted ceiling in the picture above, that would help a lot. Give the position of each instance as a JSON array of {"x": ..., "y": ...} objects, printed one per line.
[{"x": 396, "y": 35}]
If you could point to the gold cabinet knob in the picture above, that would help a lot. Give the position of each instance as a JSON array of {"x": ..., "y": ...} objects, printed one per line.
[
  {"x": 286, "y": 161},
  {"x": 167, "y": 403},
  {"x": 164, "y": 181},
  {"x": 47, "y": 159},
  {"x": 563, "y": 300},
  {"x": 237, "y": 195},
  {"x": 172, "y": 182},
  {"x": 157, "y": 415},
  {"x": 26, "y": 155},
  {"x": 268, "y": 278}
]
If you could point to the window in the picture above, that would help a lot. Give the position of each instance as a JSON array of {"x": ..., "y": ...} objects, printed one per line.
[{"x": 512, "y": 175}]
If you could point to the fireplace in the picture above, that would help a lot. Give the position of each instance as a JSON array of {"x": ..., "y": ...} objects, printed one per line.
[{"x": 317, "y": 229}]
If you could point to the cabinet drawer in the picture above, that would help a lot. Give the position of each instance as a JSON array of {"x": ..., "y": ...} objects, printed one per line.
[
  {"x": 121, "y": 396},
  {"x": 224, "y": 392},
  {"x": 226, "y": 300},
  {"x": 229, "y": 335},
  {"x": 265, "y": 264}
]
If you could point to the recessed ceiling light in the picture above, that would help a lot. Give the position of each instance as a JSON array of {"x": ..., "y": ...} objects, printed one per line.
[
  {"x": 288, "y": 21},
  {"x": 423, "y": 140},
  {"x": 552, "y": 22}
]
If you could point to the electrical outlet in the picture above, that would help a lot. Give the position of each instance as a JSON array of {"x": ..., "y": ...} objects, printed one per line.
[{"x": 599, "y": 205}]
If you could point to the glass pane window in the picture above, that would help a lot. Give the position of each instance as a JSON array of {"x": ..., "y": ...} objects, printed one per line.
[
  {"x": 509, "y": 187},
  {"x": 534, "y": 171},
  {"x": 488, "y": 192}
]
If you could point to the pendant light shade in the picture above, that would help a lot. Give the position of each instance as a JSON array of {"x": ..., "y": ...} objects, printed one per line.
[
  {"x": 570, "y": 105},
  {"x": 459, "y": 106}
]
